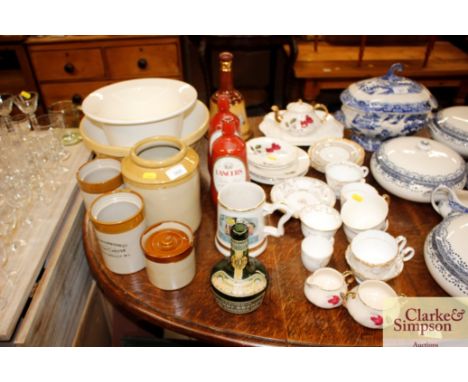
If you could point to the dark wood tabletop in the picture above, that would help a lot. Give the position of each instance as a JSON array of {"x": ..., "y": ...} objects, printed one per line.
[{"x": 286, "y": 318}]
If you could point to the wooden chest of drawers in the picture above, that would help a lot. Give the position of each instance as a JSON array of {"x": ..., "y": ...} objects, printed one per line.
[{"x": 73, "y": 66}]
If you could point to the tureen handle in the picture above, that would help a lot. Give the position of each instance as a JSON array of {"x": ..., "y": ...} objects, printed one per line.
[{"x": 390, "y": 75}]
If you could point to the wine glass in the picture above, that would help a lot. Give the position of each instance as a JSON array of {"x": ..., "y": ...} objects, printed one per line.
[
  {"x": 27, "y": 103},
  {"x": 6, "y": 105},
  {"x": 71, "y": 116}
]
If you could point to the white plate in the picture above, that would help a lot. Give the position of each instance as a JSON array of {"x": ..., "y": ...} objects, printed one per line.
[
  {"x": 274, "y": 177},
  {"x": 194, "y": 127},
  {"x": 446, "y": 255},
  {"x": 301, "y": 192},
  {"x": 333, "y": 150},
  {"x": 270, "y": 153},
  {"x": 331, "y": 128}
]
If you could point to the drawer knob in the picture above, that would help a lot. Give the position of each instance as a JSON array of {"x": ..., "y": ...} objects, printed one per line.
[
  {"x": 77, "y": 99},
  {"x": 142, "y": 63},
  {"x": 69, "y": 68}
]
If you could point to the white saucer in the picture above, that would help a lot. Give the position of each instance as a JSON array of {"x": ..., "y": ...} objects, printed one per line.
[
  {"x": 272, "y": 177},
  {"x": 271, "y": 153},
  {"x": 331, "y": 150},
  {"x": 194, "y": 127},
  {"x": 301, "y": 192},
  {"x": 331, "y": 128}
]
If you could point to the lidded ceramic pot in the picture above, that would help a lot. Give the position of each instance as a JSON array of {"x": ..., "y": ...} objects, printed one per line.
[
  {"x": 170, "y": 255},
  {"x": 165, "y": 172},
  {"x": 412, "y": 167},
  {"x": 385, "y": 107}
]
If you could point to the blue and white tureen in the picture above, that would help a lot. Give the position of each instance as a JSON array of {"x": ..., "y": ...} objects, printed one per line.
[
  {"x": 450, "y": 126},
  {"x": 385, "y": 107},
  {"x": 411, "y": 167},
  {"x": 446, "y": 255}
]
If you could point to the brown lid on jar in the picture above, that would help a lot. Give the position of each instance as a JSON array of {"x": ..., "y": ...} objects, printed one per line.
[{"x": 165, "y": 243}]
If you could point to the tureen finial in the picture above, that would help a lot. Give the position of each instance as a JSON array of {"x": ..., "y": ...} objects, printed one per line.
[{"x": 398, "y": 67}]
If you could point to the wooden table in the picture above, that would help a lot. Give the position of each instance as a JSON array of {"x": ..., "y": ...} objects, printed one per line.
[
  {"x": 336, "y": 67},
  {"x": 285, "y": 318}
]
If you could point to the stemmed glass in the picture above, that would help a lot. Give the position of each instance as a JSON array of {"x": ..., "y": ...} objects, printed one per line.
[
  {"x": 54, "y": 124},
  {"x": 71, "y": 116},
  {"x": 27, "y": 103},
  {"x": 6, "y": 105}
]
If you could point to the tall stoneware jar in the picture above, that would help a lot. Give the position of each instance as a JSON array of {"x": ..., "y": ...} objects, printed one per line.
[{"x": 165, "y": 172}]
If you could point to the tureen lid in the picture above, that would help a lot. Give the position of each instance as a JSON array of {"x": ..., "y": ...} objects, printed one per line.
[
  {"x": 421, "y": 160},
  {"x": 454, "y": 120},
  {"x": 389, "y": 94}
]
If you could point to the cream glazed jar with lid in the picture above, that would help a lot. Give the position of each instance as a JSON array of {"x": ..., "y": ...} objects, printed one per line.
[{"x": 165, "y": 172}]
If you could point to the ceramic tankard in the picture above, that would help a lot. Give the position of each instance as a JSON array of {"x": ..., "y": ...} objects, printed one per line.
[{"x": 245, "y": 202}]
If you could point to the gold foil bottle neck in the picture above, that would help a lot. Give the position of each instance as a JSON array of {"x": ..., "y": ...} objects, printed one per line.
[{"x": 225, "y": 59}]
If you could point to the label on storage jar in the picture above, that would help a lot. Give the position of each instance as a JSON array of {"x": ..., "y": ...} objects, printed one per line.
[{"x": 228, "y": 170}]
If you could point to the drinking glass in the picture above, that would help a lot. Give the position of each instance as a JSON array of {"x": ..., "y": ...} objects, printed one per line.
[
  {"x": 71, "y": 116},
  {"x": 6, "y": 105},
  {"x": 55, "y": 125},
  {"x": 27, "y": 103}
]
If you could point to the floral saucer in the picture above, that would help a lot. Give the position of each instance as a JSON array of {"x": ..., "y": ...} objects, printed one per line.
[
  {"x": 271, "y": 153},
  {"x": 301, "y": 192},
  {"x": 330, "y": 128},
  {"x": 274, "y": 176},
  {"x": 333, "y": 150}
]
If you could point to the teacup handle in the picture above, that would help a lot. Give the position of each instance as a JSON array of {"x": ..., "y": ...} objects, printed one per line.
[
  {"x": 344, "y": 297},
  {"x": 268, "y": 209},
  {"x": 348, "y": 277},
  {"x": 365, "y": 171},
  {"x": 386, "y": 226},
  {"x": 401, "y": 242},
  {"x": 321, "y": 106},
  {"x": 387, "y": 198},
  {"x": 407, "y": 253}
]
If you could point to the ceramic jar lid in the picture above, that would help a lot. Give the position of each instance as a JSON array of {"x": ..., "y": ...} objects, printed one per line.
[
  {"x": 420, "y": 160},
  {"x": 159, "y": 161},
  {"x": 454, "y": 121},
  {"x": 389, "y": 94},
  {"x": 167, "y": 242}
]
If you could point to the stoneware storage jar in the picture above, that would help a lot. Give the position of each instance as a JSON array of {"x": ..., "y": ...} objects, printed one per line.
[
  {"x": 170, "y": 255},
  {"x": 164, "y": 171},
  {"x": 119, "y": 222},
  {"x": 98, "y": 177}
]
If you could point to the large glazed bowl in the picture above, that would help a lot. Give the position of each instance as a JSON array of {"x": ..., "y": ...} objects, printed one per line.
[
  {"x": 411, "y": 167},
  {"x": 129, "y": 111},
  {"x": 446, "y": 255},
  {"x": 450, "y": 126},
  {"x": 385, "y": 107},
  {"x": 195, "y": 125}
]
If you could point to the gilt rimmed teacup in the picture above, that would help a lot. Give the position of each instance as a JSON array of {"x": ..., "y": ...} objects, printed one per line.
[
  {"x": 338, "y": 174},
  {"x": 378, "y": 255}
]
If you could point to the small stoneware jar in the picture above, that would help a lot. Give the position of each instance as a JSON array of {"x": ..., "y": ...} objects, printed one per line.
[
  {"x": 98, "y": 177},
  {"x": 165, "y": 172},
  {"x": 119, "y": 221},
  {"x": 170, "y": 255}
]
